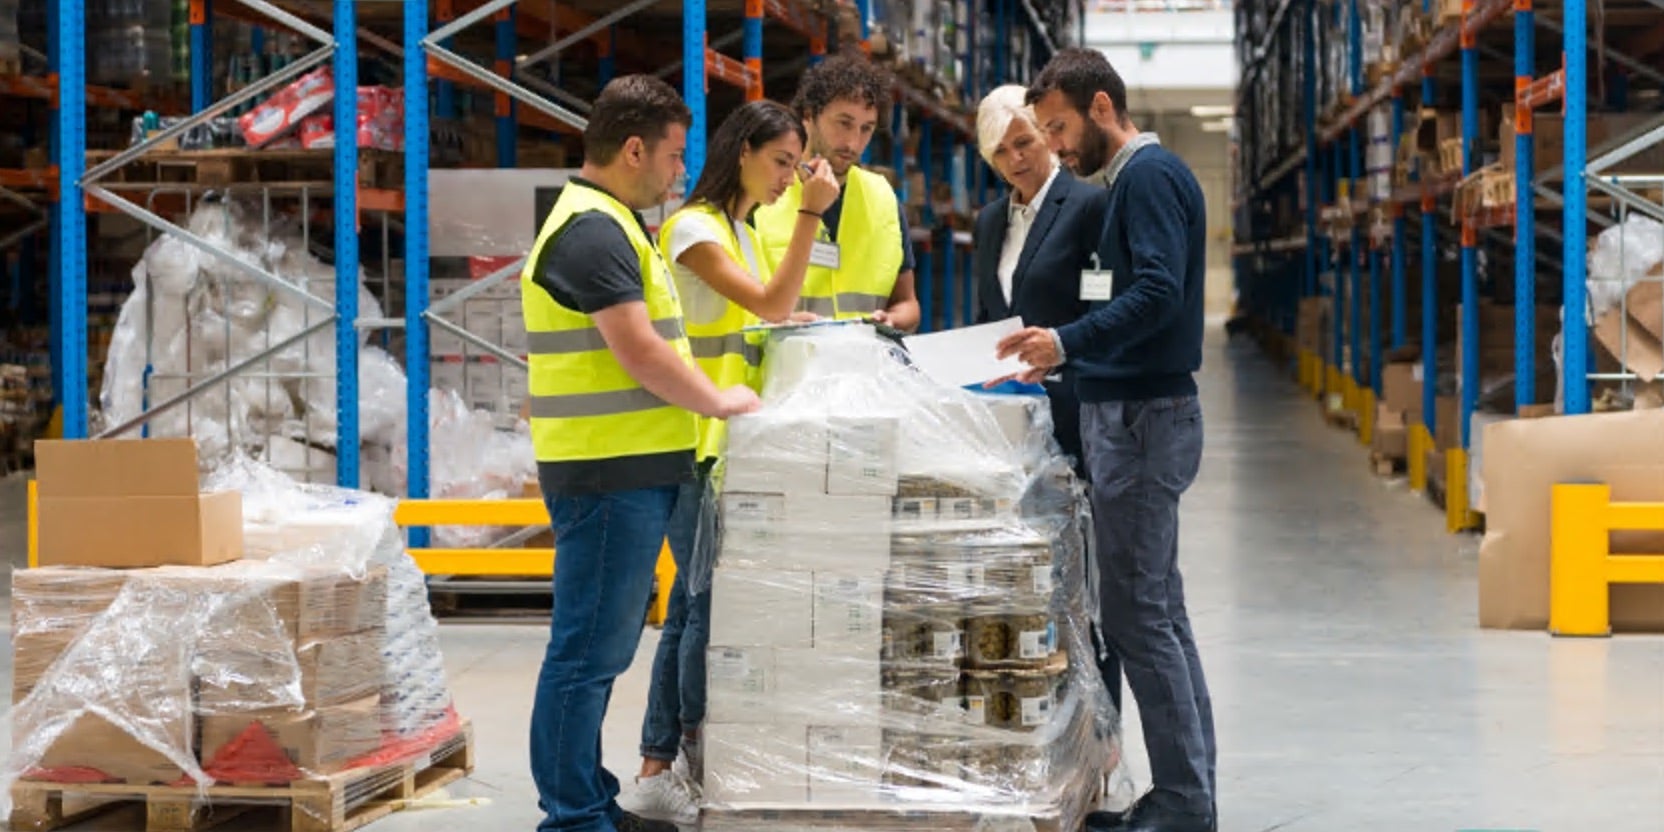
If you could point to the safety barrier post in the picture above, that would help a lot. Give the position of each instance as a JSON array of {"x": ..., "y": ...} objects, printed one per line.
[{"x": 1582, "y": 568}]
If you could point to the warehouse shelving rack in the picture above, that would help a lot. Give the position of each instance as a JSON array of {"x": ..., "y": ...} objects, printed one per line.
[
  {"x": 425, "y": 48},
  {"x": 1274, "y": 245}
]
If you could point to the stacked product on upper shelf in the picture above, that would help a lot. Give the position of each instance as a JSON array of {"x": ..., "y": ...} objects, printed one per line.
[{"x": 898, "y": 618}]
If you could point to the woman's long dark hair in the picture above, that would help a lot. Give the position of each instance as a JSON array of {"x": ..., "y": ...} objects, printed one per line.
[{"x": 751, "y": 126}]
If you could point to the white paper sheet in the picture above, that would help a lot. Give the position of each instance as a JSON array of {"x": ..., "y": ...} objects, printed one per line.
[{"x": 958, "y": 357}]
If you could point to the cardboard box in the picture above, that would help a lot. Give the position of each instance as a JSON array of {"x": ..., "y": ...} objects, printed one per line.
[
  {"x": 846, "y": 765},
  {"x": 131, "y": 502},
  {"x": 1634, "y": 333},
  {"x": 806, "y": 533},
  {"x": 282, "y": 604},
  {"x": 92, "y": 742},
  {"x": 321, "y": 740},
  {"x": 861, "y": 456},
  {"x": 761, "y": 608},
  {"x": 827, "y": 687},
  {"x": 332, "y": 671},
  {"x": 1523, "y": 459},
  {"x": 1391, "y": 436},
  {"x": 772, "y": 455},
  {"x": 849, "y": 613},
  {"x": 1447, "y": 431},
  {"x": 741, "y": 685},
  {"x": 52, "y": 606},
  {"x": 1401, "y": 387},
  {"x": 756, "y": 765}
]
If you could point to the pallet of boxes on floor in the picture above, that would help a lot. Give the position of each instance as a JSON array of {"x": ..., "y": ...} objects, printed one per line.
[
  {"x": 899, "y": 634},
  {"x": 196, "y": 647}
]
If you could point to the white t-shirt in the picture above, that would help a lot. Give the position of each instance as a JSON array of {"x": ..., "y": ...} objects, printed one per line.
[{"x": 700, "y": 303}]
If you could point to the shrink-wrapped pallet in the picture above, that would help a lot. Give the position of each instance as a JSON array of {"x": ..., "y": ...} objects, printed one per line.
[{"x": 899, "y": 610}]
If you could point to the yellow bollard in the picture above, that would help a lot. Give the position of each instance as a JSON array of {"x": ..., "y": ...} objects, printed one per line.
[
  {"x": 1366, "y": 417},
  {"x": 1421, "y": 442},
  {"x": 1578, "y": 591},
  {"x": 1457, "y": 515}
]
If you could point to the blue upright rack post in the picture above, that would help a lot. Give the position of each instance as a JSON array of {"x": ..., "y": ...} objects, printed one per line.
[
  {"x": 1429, "y": 280},
  {"x": 1332, "y": 264},
  {"x": 346, "y": 245},
  {"x": 608, "y": 63},
  {"x": 504, "y": 105},
  {"x": 1399, "y": 290},
  {"x": 417, "y": 357},
  {"x": 753, "y": 48},
  {"x": 69, "y": 298},
  {"x": 202, "y": 53},
  {"x": 693, "y": 84},
  {"x": 1308, "y": 117},
  {"x": 1470, "y": 238},
  {"x": 943, "y": 248},
  {"x": 1576, "y": 327},
  {"x": 1525, "y": 244},
  {"x": 1354, "y": 28}
]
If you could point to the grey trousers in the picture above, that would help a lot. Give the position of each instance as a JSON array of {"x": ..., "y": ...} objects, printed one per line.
[{"x": 1142, "y": 457}]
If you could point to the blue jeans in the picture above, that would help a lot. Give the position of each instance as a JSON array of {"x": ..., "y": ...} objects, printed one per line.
[
  {"x": 607, "y": 547},
  {"x": 676, "y": 697},
  {"x": 1143, "y": 456}
]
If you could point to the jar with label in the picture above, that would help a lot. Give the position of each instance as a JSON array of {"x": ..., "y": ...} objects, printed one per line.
[
  {"x": 1017, "y": 701},
  {"x": 1011, "y": 640},
  {"x": 919, "y": 694},
  {"x": 926, "y": 635}
]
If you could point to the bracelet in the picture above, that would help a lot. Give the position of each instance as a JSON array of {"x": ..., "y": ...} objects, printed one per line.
[{"x": 809, "y": 212}]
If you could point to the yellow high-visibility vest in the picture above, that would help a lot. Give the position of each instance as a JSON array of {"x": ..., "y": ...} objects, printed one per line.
[
  {"x": 584, "y": 405},
  {"x": 869, "y": 243},
  {"x": 728, "y": 355}
]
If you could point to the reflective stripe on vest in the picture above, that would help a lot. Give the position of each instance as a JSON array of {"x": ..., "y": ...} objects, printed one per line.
[
  {"x": 716, "y": 346},
  {"x": 584, "y": 405},
  {"x": 869, "y": 247},
  {"x": 589, "y": 340},
  {"x": 577, "y": 405}
]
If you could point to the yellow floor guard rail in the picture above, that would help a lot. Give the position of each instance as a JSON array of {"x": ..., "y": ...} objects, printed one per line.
[
  {"x": 1582, "y": 567},
  {"x": 505, "y": 562}
]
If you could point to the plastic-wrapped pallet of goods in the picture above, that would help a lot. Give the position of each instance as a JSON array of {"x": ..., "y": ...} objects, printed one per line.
[
  {"x": 308, "y": 671},
  {"x": 899, "y": 636}
]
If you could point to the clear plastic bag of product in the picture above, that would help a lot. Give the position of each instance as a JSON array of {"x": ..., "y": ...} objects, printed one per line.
[{"x": 900, "y": 613}]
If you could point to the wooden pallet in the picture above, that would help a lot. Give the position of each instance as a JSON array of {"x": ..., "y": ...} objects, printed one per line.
[
  {"x": 338, "y": 803},
  {"x": 227, "y": 166}
]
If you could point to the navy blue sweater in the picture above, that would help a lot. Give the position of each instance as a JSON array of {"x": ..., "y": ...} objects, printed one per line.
[{"x": 1146, "y": 341}]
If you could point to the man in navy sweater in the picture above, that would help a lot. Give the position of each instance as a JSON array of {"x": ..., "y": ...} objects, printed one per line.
[{"x": 1134, "y": 354}]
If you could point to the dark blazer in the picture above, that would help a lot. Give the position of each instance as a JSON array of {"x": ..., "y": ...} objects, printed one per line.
[{"x": 1045, "y": 287}]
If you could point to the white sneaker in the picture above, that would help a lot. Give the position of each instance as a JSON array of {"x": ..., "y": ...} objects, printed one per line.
[{"x": 667, "y": 796}]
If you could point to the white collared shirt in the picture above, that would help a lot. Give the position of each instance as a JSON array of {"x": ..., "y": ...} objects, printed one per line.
[{"x": 1019, "y": 219}]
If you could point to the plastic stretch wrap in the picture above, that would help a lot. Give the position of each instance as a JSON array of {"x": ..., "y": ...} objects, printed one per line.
[
  {"x": 1622, "y": 256},
  {"x": 315, "y": 654},
  {"x": 899, "y": 619},
  {"x": 192, "y": 315}
]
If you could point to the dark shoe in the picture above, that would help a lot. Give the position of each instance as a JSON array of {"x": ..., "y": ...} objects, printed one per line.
[
  {"x": 1112, "y": 821},
  {"x": 1146, "y": 816},
  {"x": 636, "y": 823}
]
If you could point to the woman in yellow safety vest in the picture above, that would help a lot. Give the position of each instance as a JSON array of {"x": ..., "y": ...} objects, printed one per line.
[{"x": 717, "y": 260}]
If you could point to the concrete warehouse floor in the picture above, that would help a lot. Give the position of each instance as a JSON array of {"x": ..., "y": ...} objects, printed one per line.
[{"x": 1336, "y": 620}]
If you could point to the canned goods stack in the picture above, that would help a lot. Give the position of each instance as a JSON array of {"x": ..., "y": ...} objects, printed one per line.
[{"x": 898, "y": 620}]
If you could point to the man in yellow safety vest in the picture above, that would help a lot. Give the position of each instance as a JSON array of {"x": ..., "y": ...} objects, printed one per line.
[
  {"x": 862, "y": 263},
  {"x": 615, "y": 398}
]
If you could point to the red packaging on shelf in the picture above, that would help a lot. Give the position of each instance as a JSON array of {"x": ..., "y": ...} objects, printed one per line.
[{"x": 287, "y": 108}]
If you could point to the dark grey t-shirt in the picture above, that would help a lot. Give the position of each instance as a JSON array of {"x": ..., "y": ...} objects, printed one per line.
[{"x": 589, "y": 266}]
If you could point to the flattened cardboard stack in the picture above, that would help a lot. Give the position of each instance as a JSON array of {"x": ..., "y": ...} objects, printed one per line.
[{"x": 887, "y": 632}]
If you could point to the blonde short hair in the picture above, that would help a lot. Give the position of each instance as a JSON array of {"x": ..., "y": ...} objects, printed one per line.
[{"x": 996, "y": 113}]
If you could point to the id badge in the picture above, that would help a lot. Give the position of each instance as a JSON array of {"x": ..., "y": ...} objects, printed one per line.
[
  {"x": 1097, "y": 285},
  {"x": 824, "y": 255}
]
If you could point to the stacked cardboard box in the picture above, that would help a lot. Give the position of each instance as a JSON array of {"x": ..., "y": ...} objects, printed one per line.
[
  {"x": 131, "y": 503},
  {"x": 886, "y": 623},
  {"x": 297, "y": 651}
]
